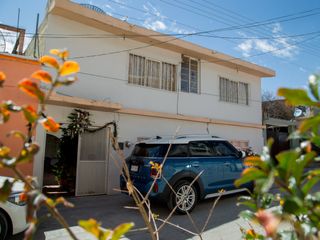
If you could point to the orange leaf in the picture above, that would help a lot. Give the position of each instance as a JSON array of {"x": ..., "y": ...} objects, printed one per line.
[
  {"x": 49, "y": 61},
  {"x": 23, "y": 197},
  {"x": 50, "y": 125},
  {"x": 4, "y": 151},
  {"x": 31, "y": 88},
  {"x": 2, "y": 78},
  {"x": 69, "y": 67},
  {"x": 60, "y": 53},
  {"x": 30, "y": 113},
  {"x": 4, "y": 114},
  {"x": 42, "y": 75}
]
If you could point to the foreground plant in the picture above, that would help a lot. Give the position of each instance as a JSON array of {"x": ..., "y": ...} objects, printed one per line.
[
  {"x": 294, "y": 212},
  {"x": 65, "y": 74}
]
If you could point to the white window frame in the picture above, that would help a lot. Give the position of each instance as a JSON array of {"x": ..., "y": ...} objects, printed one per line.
[
  {"x": 198, "y": 75},
  {"x": 245, "y": 102}
]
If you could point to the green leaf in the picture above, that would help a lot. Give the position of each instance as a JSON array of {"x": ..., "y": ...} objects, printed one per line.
[
  {"x": 121, "y": 230},
  {"x": 301, "y": 163},
  {"x": 314, "y": 86},
  {"x": 287, "y": 163},
  {"x": 30, "y": 113},
  {"x": 296, "y": 97},
  {"x": 5, "y": 190},
  {"x": 249, "y": 175},
  {"x": 313, "y": 180},
  {"x": 255, "y": 161},
  {"x": 249, "y": 204},
  {"x": 293, "y": 205},
  {"x": 309, "y": 123},
  {"x": 268, "y": 183},
  {"x": 316, "y": 140},
  {"x": 247, "y": 215}
]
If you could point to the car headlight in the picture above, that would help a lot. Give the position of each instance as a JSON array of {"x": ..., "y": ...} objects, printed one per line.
[{"x": 17, "y": 198}]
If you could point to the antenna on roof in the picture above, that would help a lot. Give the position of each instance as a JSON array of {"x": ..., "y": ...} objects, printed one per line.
[{"x": 93, "y": 8}]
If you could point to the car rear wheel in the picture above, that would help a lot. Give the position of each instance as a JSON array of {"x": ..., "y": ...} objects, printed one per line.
[
  {"x": 185, "y": 198},
  {"x": 4, "y": 227}
]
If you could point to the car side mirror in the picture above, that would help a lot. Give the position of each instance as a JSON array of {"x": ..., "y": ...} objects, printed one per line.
[{"x": 242, "y": 154}]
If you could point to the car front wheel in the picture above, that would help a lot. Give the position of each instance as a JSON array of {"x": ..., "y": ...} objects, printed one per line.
[
  {"x": 185, "y": 197},
  {"x": 4, "y": 227}
]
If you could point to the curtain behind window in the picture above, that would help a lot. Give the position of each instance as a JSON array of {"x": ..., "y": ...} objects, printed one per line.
[
  {"x": 169, "y": 77},
  {"x": 136, "y": 69}
]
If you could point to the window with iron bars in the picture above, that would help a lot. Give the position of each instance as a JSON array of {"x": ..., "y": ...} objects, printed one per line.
[{"x": 233, "y": 91}]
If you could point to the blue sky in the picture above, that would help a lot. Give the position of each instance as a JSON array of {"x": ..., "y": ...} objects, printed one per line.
[{"x": 289, "y": 43}]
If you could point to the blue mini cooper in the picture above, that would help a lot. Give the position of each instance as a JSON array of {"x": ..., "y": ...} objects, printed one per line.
[{"x": 220, "y": 163}]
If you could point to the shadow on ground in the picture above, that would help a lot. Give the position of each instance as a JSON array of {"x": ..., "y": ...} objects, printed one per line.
[{"x": 110, "y": 211}]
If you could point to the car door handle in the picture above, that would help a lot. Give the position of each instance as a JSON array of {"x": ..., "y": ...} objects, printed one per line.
[
  {"x": 227, "y": 164},
  {"x": 195, "y": 164}
]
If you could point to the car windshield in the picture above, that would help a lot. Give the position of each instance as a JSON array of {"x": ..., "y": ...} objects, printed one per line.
[{"x": 150, "y": 150}]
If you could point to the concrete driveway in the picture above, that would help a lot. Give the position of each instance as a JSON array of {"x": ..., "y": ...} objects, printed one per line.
[{"x": 110, "y": 211}]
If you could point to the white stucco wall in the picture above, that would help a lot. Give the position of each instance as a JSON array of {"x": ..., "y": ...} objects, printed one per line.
[
  {"x": 111, "y": 82},
  {"x": 131, "y": 127}
]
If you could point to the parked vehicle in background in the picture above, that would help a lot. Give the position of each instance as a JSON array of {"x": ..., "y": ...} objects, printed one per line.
[
  {"x": 13, "y": 211},
  {"x": 220, "y": 162}
]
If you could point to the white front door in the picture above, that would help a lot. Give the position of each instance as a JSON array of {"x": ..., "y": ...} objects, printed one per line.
[{"x": 92, "y": 163}]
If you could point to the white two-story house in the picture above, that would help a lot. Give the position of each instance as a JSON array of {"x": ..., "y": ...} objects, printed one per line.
[{"x": 149, "y": 84}]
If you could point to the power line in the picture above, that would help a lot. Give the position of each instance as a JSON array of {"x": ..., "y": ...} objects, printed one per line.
[
  {"x": 239, "y": 16},
  {"x": 210, "y": 16},
  {"x": 190, "y": 34},
  {"x": 284, "y": 18},
  {"x": 147, "y": 12},
  {"x": 126, "y": 80},
  {"x": 93, "y": 36},
  {"x": 203, "y": 93},
  {"x": 310, "y": 53}
]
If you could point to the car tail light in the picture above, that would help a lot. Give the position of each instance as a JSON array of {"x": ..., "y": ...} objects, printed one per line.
[
  {"x": 155, "y": 188},
  {"x": 154, "y": 169},
  {"x": 154, "y": 173}
]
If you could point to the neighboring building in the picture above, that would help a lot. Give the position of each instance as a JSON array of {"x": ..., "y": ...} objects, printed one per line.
[
  {"x": 16, "y": 67},
  {"x": 282, "y": 120},
  {"x": 149, "y": 84}
]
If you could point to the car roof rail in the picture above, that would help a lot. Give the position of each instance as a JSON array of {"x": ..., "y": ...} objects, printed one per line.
[{"x": 182, "y": 136}]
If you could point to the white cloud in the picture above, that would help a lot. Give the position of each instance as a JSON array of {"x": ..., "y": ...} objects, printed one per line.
[
  {"x": 279, "y": 47},
  {"x": 173, "y": 28},
  {"x": 246, "y": 46},
  {"x": 276, "y": 28},
  {"x": 155, "y": 25},
  {"x": 159, "y": 22},
  {"x": 108, "y": 6}
]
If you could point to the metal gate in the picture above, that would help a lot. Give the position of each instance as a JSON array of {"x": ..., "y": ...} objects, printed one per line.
[{"x": 92, "y": 163}]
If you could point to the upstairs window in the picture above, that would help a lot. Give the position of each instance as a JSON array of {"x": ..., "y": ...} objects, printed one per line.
[
  {"x": 150, "y": 73},
  {"x": 189, "y": 75},
  {"x": 137, "y": 66},
  {"x": 234, "y": 92},
  {"x": 169, "y": 77}
]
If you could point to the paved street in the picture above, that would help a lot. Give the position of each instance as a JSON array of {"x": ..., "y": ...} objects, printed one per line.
[{"x": 110, "y": 211}]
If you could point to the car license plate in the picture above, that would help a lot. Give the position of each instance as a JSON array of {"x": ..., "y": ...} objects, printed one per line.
[{"x": 134, "y": 168}]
